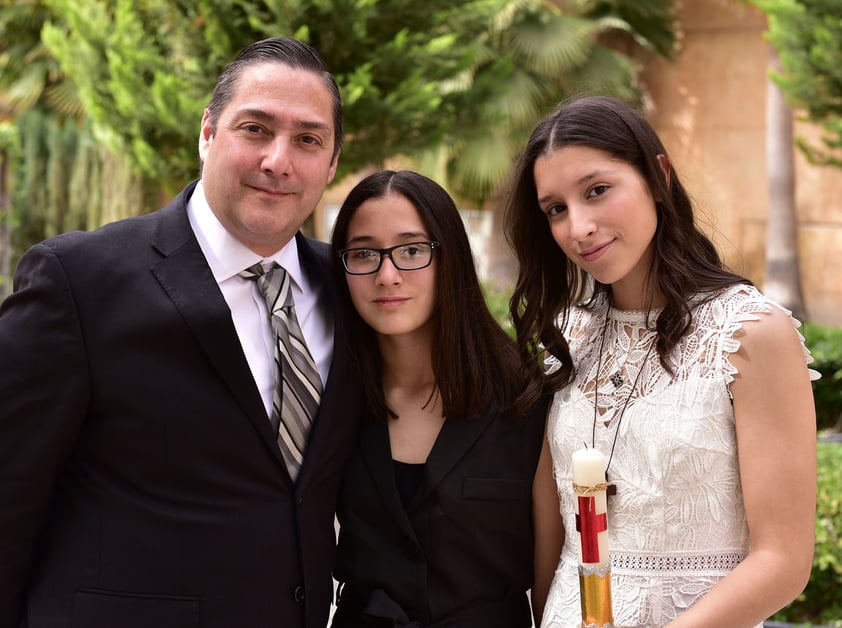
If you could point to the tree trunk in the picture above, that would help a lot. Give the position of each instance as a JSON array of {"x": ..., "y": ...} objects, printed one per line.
[{"x": 782, "y": 281}]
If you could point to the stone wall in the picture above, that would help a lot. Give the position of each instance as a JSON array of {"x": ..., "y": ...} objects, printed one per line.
[{"x": 709, "y": 106}]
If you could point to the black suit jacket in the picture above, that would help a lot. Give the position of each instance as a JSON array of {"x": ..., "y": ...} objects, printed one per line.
[
  {"x": 461, "y": 553},
  {"x": 140, "y": 481}
]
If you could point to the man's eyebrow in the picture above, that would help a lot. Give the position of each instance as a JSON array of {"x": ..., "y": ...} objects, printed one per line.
[
  {"x": 313, "y": 125},
  {"x": 255, "y": 113},
  {"x": 265, "y": 116}
]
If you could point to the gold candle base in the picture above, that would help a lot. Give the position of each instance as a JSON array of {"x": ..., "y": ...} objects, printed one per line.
[{"x": 595, "y": 593}]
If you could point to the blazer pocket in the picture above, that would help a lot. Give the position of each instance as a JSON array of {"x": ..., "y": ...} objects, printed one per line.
[
  {"x": 95, "y": 608},
  {"x": 496, "y": 489}
]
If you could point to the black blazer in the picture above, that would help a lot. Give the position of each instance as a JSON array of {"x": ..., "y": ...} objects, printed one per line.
[
  {"x": 140, "y": 482},
  {"x": 461, "y": 553}
]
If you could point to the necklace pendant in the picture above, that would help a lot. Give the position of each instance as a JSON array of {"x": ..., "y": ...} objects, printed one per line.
[
  {"x": 612, "y": 488},
  {"x": 617, "y": 380}
]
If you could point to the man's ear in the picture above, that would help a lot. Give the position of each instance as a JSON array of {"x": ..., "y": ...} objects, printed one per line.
[
  {"x": 205, "y": 135},
  {"x": 664, "y": 162}
]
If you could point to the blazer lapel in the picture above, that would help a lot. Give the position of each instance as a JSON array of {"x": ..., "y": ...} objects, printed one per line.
[
  {"x": 376, "y": 452},
  {"x": 187, "y": 279},
  {"x": 454, "y": 440}
]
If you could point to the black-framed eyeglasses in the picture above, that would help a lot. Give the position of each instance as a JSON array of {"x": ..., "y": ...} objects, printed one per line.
[{"x": 411, "y": 256}]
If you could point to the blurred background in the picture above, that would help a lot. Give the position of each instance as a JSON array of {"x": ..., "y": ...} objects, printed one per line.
[{"x": 101, "y": 102}]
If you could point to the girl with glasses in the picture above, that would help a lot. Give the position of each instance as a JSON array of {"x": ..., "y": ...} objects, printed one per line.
[{"x": 438, "y": 497}]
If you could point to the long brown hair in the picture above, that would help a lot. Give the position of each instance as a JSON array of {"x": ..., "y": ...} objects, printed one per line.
[
  {"x": 475, "y": 362},
  {"x": 685, "y": 264}
]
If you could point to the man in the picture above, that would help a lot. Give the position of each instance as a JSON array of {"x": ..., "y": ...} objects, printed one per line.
[{"x": 141, "y": 479}]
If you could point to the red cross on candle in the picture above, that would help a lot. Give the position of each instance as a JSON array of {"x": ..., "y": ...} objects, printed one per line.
[{"x": 589, "y": 525}]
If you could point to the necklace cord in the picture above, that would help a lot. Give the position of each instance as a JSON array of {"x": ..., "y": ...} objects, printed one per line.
[{"x": 628, "y": 397}]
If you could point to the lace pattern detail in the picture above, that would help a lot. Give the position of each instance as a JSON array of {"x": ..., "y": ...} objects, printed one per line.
[
  {"x": 677, "y": 523},
  {"x": 689, "y": 564}
]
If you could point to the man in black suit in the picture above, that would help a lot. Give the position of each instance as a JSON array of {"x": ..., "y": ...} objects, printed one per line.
[{"x": 141, "y": 482}]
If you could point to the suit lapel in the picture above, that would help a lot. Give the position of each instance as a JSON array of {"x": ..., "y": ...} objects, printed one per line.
[
  {"x": 456, "y": 437},
  {"x": 315, "y": 263},
  {"x": 185, "y": 276}
]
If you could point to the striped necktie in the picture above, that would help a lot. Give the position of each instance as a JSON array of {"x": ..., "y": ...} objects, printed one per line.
[{"x": 296, "y": 400}]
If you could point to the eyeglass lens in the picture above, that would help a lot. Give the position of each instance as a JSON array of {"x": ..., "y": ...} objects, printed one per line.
[{"x": 410, "y": 256}]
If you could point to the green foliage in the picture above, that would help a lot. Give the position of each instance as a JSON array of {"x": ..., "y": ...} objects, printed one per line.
[
  {"x": 470, "y": 77},
  {"x": 825, "y": 344},
  {"x": 55, "y": 182},
  {"x": 28, "y": 73},
  {"x": 536, "y": 55},
  {"x": 648, "y": 22},
  {"x": 29, "y": 190},
  {"x": 49, "y": 146},
  {"x": 146, "y": 68},
  {"x": 10, "y": 156},
  {"x": 820, "y": 602},
  {"x": 498, "y": 303},
  {"x": 65, "y": 180},
  {"x": 467, "y": 75},
  {"x": 403, "y": 71},
  {"x": 137, "y": 66},
  {"x": 808, "y": 37}
]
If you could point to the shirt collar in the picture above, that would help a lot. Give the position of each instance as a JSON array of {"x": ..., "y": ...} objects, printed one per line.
[{"x": 226, "y": 255}]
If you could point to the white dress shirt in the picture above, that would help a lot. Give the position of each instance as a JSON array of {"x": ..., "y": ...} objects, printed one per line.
[{"x": 227, "y": 257}]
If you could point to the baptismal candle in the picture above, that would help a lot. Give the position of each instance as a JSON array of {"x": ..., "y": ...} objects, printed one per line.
[
  {"x": 591, "y": 505},
  {"x": 590, "y": 486}
]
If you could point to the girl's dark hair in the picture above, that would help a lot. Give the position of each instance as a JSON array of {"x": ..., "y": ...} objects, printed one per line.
[
  {"x": 475, "y": 363},
  {"x": 287, "y": 51},
  {"x": 685, "y": 264}
]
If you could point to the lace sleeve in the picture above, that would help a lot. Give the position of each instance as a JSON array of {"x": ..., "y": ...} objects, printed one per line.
[{"x": 744, "y": 303}]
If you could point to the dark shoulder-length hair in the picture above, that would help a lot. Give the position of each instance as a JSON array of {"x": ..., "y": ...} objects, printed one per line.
[
  {"x": 685, "y": 263},
  {"x": 475, "y": 362}
]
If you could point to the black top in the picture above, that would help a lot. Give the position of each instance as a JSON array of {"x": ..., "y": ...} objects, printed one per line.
[
  {"x": 460, "y": 553},
  {"x": 407, "y": 479}
]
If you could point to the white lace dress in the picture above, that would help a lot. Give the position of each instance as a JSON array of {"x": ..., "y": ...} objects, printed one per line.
[{"x": 677, "y": 524}]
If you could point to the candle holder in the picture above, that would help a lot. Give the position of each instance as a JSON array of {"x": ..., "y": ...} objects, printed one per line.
[
  {"x": 595, "y": 593},
  {"x": 590, "y": 488}
]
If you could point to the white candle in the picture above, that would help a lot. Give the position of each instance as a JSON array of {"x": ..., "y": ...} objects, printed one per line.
[{"x": 591, "y": 514}]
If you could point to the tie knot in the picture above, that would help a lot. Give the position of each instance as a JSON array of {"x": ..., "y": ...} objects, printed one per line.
[
  {"x": 274, "y": 285},
  {"x": 257, "y": 270}
]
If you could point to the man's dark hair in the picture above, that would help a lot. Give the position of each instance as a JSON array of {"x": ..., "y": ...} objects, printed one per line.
[{"x": 287, "y": 51}]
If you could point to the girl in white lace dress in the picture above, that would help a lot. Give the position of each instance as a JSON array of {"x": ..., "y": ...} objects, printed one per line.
[{"x": 693, "y": 384}]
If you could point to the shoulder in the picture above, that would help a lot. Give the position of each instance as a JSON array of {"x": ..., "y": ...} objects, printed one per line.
[
  {"x": 165, "y": 225},
  {"x": 728, "y": 309},
  {"x": 757, "y": 331},
  {"x": 311, "y": 246}
]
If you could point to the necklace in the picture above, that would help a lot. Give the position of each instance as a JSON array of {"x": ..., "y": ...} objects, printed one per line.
[{"x": 612, "y": 489}]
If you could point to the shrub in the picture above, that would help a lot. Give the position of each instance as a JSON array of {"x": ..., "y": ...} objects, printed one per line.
[
  {"x": 820, "y": 601},
  {"x": 498, "y": 303},
  {"x": 825, "y": 343}
]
